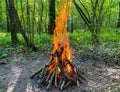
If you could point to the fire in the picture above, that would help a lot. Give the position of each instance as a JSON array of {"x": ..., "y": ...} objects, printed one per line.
[
  {"x": 60, "y": 71},
  {"x": 61, "y": 40}
]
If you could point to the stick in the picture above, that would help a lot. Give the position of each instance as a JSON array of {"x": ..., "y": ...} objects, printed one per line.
[
  {"x": 42, "y": 72},
  {"x": 56, "y": 72},
  {"x": 80, "y": 80},
  {"x": 67, "y": 84},
  {"x": 50, "y": 72},
  {"x": 62, "y": 85},
  {"x": 56, "y": 79},
  {"x": 45, "y": 72},
  {"x": 50, "y": 82},
  {"x": 38, "y": 71},
  {"x": 43, "y": 79},
  {"x": 75, "y": 69},
  {"x": 78, "y": 83}
]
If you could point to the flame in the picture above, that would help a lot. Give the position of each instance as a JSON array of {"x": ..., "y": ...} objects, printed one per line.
[{"x": 60, "y": 39}]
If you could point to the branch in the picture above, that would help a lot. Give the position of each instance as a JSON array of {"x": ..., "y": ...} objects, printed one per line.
[{"x": 84, "y": 17}]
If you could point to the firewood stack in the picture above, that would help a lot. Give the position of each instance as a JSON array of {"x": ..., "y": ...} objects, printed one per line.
[{"x": 53, "y": 78}]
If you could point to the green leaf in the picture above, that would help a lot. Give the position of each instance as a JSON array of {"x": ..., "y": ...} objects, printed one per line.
[{"x": 3, "y": 55}]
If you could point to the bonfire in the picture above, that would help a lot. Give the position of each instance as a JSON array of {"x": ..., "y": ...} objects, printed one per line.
[{"x": 60, "y": 71}]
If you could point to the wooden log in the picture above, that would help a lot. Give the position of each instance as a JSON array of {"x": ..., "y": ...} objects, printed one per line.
[
  {"x": 80, "y": 80},
  {"x": 56, "y": 78},
  {"x": 80, "y": 74},
  {"x": 81, "y": 77},
  {"x": 37, "y": 72},
  {"x": 50, "y": 62},
  {"x": 67, "y": 84},
  {"x": 50, "y": 81},
  {"x": 59, "y": 55},
  {"x": 56, "y": 73},
  {"x": 78, "y": 83},
  {"x": 43, "y": 79},
  {"x": 62, "y": 84},
  {"x": 75, "y": 69},
  {"x": 48, "y": 77},
  {"x": 46, "y": 70},
  {"x": 42, "y": 72}
]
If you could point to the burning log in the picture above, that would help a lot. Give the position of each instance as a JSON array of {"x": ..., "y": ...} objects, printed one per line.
[
  {"x": 53, "y": 77},
  {"x": 60, "y": 71}
]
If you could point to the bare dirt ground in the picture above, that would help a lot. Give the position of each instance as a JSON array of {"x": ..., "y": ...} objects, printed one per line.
[{"x": 15, "y": 74}]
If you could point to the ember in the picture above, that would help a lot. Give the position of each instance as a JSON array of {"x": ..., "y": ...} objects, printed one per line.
[{"x": 60, "y": 71}]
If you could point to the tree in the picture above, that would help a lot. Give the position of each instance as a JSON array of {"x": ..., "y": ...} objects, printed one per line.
[
  {"x": 94, "y": 20},
  {"x": 51, "y": 25},
  {"x": 17, "y": 26},
  {"x": 13, "y": 27},
  {"x": 7, "y": 17},
  {"x": 40, "y": 14},
  {"x": 0, "y": 15},
  {"x": 118, "y": 23}
]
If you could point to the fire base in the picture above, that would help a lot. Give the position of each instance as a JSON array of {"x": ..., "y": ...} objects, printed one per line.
[{"x": 52, "y": 78}]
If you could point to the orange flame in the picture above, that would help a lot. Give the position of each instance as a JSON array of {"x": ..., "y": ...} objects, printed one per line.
[{"x": 60, "y": 39}]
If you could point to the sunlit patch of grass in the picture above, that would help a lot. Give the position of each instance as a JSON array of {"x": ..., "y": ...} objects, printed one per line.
[
  {"x": 109, "y": 38},
  {"x": 80, "y": 38},
  {"x": 110, "y": 35},
  {"x": 5, "y": 38},
  {"x": 77, "y": 39}
]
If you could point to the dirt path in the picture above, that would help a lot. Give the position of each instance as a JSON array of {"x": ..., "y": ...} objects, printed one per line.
[{"x": 101, "y": 77}]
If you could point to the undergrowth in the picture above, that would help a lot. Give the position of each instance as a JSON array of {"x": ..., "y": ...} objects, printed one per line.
[{"x": 79, "y": 39}]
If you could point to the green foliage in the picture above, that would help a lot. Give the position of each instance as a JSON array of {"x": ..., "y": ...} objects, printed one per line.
[
  {"x": 43, "y": 41},
  {"x": 80, "y": 38},
  {"x": 3, "y": 55},
  {"x": 5, "y": 38}
]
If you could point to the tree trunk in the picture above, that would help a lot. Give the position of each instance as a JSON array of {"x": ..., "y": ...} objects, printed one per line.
[
  {"x": 40, "y": 18},
  {"x": 118, "y": 23},
  {"x": 13, "y": 22},
  {"x": 51, "y": 25},
  {"x": 1, "y": 16},
  {"x": 7, "y": 17},
  {"x": 95, "y": 39},
  {"x": 70, "y": 24}
]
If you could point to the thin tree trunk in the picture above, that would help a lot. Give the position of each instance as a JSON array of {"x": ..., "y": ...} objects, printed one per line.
[
  {"x": 40, "y": 19},
  {"x": 1, "y": 28},
  {"x": 118, "y": 23},
  {"x": 22, "y": 16},
  {"x": 13, "y": 22},
  {"x": 7, "y": 17},
  {"x": 51, "y": 16},
  {"x": 33, "y": 22}
]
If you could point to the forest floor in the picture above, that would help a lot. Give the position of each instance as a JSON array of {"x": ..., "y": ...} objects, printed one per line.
[{"x": 15, "y": 70}]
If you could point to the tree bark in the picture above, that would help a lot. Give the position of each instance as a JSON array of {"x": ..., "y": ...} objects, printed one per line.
[
  {"x": 51, "y": 25},
  {"x": 7, "y": 17},
  {"x": 118, "y": 23},
  {"x": 13, "y": 30}
]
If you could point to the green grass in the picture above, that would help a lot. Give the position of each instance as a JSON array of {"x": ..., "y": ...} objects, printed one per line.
[
  {"x": 5, "y": 39},
  {"x": 77, "y": 39},
  {"x": 110, "y": 35},
  {"x": 109, "y": 42},
  {"x": 80, "y": 38}
]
